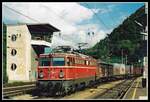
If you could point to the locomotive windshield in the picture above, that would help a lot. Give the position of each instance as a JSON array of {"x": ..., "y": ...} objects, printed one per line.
[
  {"x": 58, "y": 62},
  {"x": 55, "y": 61},
  {"x": 44, "y": 61}
]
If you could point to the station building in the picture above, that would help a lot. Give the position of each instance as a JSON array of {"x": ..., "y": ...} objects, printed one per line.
[{"x": 24, "y": 43}]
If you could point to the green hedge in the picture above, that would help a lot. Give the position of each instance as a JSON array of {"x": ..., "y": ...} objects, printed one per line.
[
  {"x": 5, "y": 78},
  {"x": 18, "y": 83}
]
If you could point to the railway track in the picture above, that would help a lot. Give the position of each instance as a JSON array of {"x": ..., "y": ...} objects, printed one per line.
[
  {"x": 116, "y": 92},
  {"x": 17, "y": 90}
]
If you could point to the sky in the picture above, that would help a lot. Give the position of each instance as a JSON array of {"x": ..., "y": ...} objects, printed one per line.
[{"x": 78, "y": 21}]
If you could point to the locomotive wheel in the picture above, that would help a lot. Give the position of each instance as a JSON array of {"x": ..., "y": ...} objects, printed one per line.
[
  {"x": 36, "y": 92},
  {"x": 76, "y": 87},
  {"x": 73, "y": 90},
  {"x": 62, "y": 92},
  {"x": 91, "y": 83},
  {"x": 83, "y": 86}
]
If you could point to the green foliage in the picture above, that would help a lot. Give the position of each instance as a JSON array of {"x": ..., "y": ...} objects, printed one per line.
[
  {"x": 126, "y": 37},
  {"x": 17, "y": 83},
  {"x": 5, "y": 78}
]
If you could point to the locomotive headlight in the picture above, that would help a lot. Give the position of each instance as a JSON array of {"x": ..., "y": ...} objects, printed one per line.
[
  {"x": 41, "y": 75},
  {"x": 61, "y": 74}
]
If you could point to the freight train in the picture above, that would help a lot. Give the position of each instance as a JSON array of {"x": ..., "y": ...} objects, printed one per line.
[{"x": 64, "y": 73}]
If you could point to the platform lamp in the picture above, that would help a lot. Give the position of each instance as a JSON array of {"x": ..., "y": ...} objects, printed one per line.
[{"x": 144, "y": 33}]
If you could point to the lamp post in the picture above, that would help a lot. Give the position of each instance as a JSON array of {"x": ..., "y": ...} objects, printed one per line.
[
  {"x": 145, "y": 34},
  {"x": 144, "y": 69},
  {"x": 126, "y": 59},
  {"x": 122, "y": 55}
]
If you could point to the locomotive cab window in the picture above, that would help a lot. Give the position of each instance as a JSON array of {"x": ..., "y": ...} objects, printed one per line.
[
  {"x": 58, "y": 61},
  {"x": 44, "y": 62}
]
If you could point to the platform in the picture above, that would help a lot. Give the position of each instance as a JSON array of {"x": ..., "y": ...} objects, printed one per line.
[{"x": 136, "y": 91}]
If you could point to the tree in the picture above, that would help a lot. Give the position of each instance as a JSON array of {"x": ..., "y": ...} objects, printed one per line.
[
  {"x": 5, "y": 78},
  {"x": 125, "y": 37}
]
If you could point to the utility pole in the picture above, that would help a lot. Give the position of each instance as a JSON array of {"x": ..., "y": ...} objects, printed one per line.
[
  {"x": 122, "y": 55},
  {"x": 126, "y": 59},
  {"x": 145, "y": 72},
  {"x": 145, "y": 58},
  {"x": 81, "y": 45}
]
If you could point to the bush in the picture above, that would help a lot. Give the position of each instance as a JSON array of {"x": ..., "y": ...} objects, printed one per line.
[
  {"x": 17, "y": 83},
  {"x": 5, "y": 78}
]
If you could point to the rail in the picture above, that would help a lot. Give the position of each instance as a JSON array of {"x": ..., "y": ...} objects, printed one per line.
[
  {"x": 116, "y": 92},
  {"x": 17, "y": 90}
]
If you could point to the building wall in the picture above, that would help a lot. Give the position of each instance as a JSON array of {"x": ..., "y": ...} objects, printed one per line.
[
  {"x": 34, "y": 65},
  {"x": 22, "y": 59}
]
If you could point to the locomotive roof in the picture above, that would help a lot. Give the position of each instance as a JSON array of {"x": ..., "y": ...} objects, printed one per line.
[
  {"x": 105, "y": 63},
  {"x": 69, "y": 54}
]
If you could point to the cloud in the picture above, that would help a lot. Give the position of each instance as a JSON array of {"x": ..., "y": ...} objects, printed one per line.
[
  {"x": 91, "y": 38},
  {"x": 123, "y": 17},
  {"x": 64, "y": 16},
  {"x": 108, "y": 8},
  {"x": 102, "y": 10}
]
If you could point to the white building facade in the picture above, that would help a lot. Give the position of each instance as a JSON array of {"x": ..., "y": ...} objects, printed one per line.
[{"x": 21, "y": 55}]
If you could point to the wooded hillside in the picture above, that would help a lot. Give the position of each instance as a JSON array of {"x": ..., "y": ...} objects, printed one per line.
[{"x": 124, "y": 40}]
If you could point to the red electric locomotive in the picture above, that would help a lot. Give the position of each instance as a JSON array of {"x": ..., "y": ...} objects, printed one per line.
[{"x": 63, "y": 73}]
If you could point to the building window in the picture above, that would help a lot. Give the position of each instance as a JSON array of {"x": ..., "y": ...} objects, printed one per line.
[
  {"x": 13, "y": 37},
  {"x": 13, "y": 52},
  {"x": 13, "y": 66}
]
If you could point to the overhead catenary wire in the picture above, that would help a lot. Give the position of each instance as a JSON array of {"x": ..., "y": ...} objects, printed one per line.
[
  {"x": 111, "y": 17},
  {"x": 16, "y": 11},
  {"x": 21, "y": 14},
  {"x": 62, "y": 19},
  {"x": 99, "y": 19},
  {"x": 24, "y": 15}
]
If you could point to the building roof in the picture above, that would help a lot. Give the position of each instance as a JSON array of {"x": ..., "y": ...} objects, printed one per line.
[
  {"x": 42, "y": 28},
  {"x": 40, "y": 42},
  {"x": 38, "y": 28}
]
